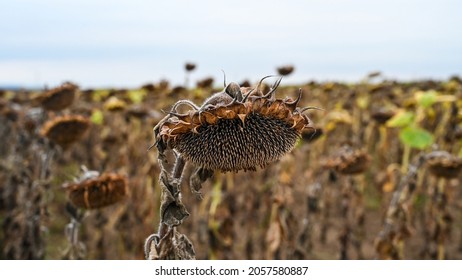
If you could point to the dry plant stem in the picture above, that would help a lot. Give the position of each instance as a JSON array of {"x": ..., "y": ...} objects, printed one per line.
[
  {"x": 43, "y": 185},
  {"x": 178, "y": 168},
  {"x": 428, "y": 222},
  {"x": 345, "y": 208},
  {"x": 356, "y": 125},
  {"x": 369, "y": 133},
  {"x": 26, "y": 187},
  {"x": 422, "y": 212},
  {"x": 359, "y": 222},
  {"x": 440, "y": 130},
  {"x": 405, "y": 160},
  {"x": 437, "y": 225},
  {"x": 441, "y": 225},
  {"x": 305, "y": 239},
  {"x": 176, "y": 175},
  {"x": 460, "y": 239},
  {"x": 353, "y": 215},
  {"x": 383, "y": 138},
  {"x": 384, "y": 145},
  {"x": 395, "y": 220},
  {"x": 168, "y": 243},
  {"x": 76, "y": 249},
  {"x": 186, "y": 80},
  {"x": 216, "y": 199},
  {"x": 325, "y": 215}
]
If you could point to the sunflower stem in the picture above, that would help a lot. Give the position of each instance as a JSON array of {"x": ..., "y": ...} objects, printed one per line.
[
  {"x": 405, "y": 160},
  {"x": 179, "y": 167}
]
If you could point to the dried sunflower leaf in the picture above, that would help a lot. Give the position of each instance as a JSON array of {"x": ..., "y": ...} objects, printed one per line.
[
  {"x": 184, "y": 249},
  {"x": 172, "y": 211},
  {"x": 174, "y": 214},
  {"x": 199, "y": 176}
]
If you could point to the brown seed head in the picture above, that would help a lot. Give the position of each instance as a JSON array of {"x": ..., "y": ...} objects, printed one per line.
[
  {"x": 311, "y": 135},
  {"x": 234, "y": 136},
  {"x": 189, "y": 66},
  {"x": 443, "y": 164},
  {"x": 349, "y": 161},
  {"x": 163, "y": 85},
  {"x": 285, "y": 70},
  {"x": 205, "y": 83},
  {"x": 382, "y": 115},
  {"x": 177, "y": 90},
  {"x": 65, "y": 130},
  {"x": 374, "y": 74},
  {"x": 138, "y": 112},
  {"x": 148, "y": 87},
  {"x": 245, "y": 83},
  {"x": 105, "y": 190},
  {"x": 58, "y": 98}
]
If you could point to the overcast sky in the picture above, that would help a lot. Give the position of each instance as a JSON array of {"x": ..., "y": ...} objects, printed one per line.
[{"x": 99, "y": 43}]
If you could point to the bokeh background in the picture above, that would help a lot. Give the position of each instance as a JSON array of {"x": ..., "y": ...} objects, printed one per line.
[{"x": 378, "y": 178}]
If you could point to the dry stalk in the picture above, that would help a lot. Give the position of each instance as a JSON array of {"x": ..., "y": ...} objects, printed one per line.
[
  {"x": 168, "y": 243},
  {"x": 389, "y": 243},
  {"x": 26, "y": 196},
  {"x": 352, "y": 213},
  {"x": 76, "y": 250}
]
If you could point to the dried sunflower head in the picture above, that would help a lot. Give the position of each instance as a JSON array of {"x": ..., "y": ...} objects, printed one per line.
[
  {"x": 58, "y": 98},
  {"x": 189, "y": 66},
  {"x": 311, "y": 135},
  {"x": 177, "y": 90},
  {"x": 148, "y": 87},
  {"x": 443, "y": 164},
  {"x": 374, "y": 74},
  {"x": 138, "y": 112},
  {"x": 65, "y": 130},
  {"x": 349, "y": 161},
  {"x": 205, "y": 83},
  {"x": 236, "y": 129},
  {"x": 285, "y": 70},
  {"x": 98, "y": 191},
  {"x": 382, "y": 115},
  {"x": 245, "y": 83}
]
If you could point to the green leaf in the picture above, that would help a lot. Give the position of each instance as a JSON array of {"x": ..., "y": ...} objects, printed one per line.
[
  {"x": 427, "y": 99},
  {"x": 401, "y": 119},
  {"x": 97, "y": 117},
  {"x": 416, "y": 137}
]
